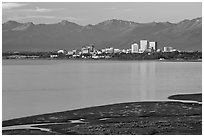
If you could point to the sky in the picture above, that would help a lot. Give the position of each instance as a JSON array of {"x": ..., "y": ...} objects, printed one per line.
[{"x": 84, "y": 13}]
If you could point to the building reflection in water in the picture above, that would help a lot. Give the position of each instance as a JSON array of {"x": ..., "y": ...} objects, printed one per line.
[{"x": 144, "y": 80}]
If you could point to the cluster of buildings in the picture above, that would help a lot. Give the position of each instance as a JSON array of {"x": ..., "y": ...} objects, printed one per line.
[
  {"x": 90, "y": 50},
  {"x": 149, "y": 46},
  {"x": 145, "y": 46}
]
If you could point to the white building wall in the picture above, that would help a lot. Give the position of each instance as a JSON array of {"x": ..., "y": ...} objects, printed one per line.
[
  {"x": 168, "y": 49},
  {"x": 134, "y": 48},
  {"x": 61, "y": 51},
  {"x": 153, "y": 45},
  {"x": 143, "y": 45}
]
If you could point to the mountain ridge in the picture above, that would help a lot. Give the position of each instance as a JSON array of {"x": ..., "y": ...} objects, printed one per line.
[{"x": 184, "y": 35}]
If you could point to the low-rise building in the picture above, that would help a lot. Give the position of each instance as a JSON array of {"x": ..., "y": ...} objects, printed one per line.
[
  {"x": 61, "y": 51},
  {"x": 109, "y": 50},
  {"x": 53, "y": 56},
  {"x": 69, "y": 53},
  {"x": 103, "y": 50},
  {"x": 117, "y": 51},
  {"x": 168, "y": 49},
  {"x": 158, "y": 50},
  {"x": 148, "y": 50},
  {"x": 85, "y": 50},
  {"x": 141, "y": 50},
  {"x": 128, "y": 51}
]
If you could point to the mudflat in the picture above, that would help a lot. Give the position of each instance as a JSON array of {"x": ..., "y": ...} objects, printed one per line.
[{"x": 132, "y": 118}]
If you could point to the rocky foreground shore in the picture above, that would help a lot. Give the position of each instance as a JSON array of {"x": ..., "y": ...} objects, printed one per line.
[{"x": 132, "y": 118}]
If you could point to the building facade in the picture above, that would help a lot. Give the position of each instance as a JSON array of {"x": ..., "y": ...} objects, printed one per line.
[
  {"x": 61, "y": 51},
  {"x": 134, "y": 48},
  {"x": 85, "y": 50},
  {"x": 153, "y": 45},
  {"x": 168, "y": 49},
  {"x": 143, "y": 45}
]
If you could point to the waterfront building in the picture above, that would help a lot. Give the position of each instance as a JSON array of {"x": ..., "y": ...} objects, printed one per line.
[
  {"x": 116, "y": 50},
  {"x": 74, "y": 51},
  {"x": 153, "y": 45},
  {"x": 70, "y": 53},
  {"x": 143, "y": 45},
  {"x": 174, "y": 50},
  {"x": 171, "y": 49},
  {"x": 123, "y": 51},
  {"x": 99, "y": 52},
  {"x": 61, "y": 51},
  {"x": 103, "y": 50},
  {"x": 149, "y": 50},
  {"x": 91, "y": 48},
  {"x": 165, "y": 49},
  {"x": 158, "y": 50},
  {"x": 168, "y": 49},
  {"x": 110, "y": 50},
  {"x": 141, "y": 50},
  {"x": 53, "y": 56},
  {"x": 128, "y": 51},
  {"x": 85, "y": 50},
  {"x": 134, "y": 48}
]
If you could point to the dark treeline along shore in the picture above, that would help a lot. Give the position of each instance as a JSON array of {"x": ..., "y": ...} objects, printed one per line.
[
  {"x": 168, "y": 56},
  {"x": 155, "y": 117}
]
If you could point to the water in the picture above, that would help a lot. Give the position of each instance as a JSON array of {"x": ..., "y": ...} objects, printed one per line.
[{"x": 41, "y": 86}]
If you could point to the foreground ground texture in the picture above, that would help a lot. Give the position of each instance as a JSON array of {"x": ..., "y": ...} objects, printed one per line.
[{"x": 166, "y": 117}]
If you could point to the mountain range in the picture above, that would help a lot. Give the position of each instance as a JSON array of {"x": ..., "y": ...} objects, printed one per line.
[{"x": 185, "y": 35}]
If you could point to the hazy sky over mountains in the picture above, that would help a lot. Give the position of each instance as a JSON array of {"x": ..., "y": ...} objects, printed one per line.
[{"x": 93, "y": 13}]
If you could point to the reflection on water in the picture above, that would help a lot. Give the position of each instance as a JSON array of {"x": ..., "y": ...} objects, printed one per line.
[
  {"x": 147, "y": 76},
  {"x": 40, "y": 86},
  {"x": 144, "y": 77}
]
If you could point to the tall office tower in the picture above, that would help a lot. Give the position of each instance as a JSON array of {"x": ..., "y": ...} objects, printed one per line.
[
  {"x": 134, "y": 48},
  {"x": 143, "y": 45},
  {"x": 153, "y": 45}
]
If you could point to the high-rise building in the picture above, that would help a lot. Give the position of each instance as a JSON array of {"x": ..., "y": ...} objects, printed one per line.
[
  {"x": 153, "y": 45},
  {"x": 134, "y": 48},
  {"x": 143, "y": 45}
]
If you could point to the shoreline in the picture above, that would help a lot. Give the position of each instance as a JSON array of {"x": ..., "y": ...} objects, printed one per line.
[
  {"x": 142, "y": 60},
  {"x": 187, "y": 97},
  {"x": 106, "y": 119}
]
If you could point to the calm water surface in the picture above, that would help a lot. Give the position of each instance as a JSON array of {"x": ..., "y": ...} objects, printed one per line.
[{"x": 41, "y": 86}]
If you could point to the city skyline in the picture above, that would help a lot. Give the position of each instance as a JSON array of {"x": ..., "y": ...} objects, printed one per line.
[{"x": 84, "y": 13}]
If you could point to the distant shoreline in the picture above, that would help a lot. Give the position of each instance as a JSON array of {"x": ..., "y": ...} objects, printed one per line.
[
  {"x": 156, "y": 60},
  {"x": 190, "y": 97},
  {"x": 132, "y": 115}
]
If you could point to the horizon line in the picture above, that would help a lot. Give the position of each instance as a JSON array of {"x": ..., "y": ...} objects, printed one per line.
[{"x": 104, "y": 21}]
